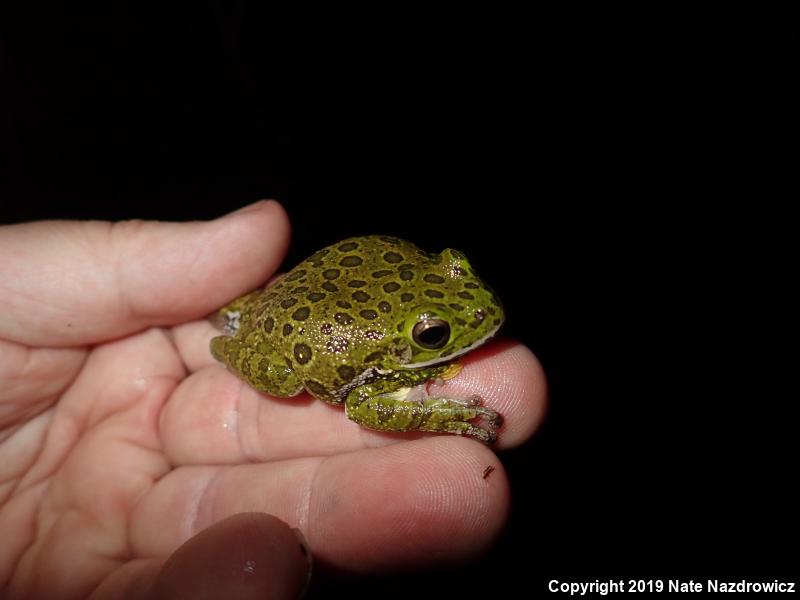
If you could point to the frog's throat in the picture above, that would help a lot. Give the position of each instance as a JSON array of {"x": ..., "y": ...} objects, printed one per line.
[{"x": 449, "y": 357}]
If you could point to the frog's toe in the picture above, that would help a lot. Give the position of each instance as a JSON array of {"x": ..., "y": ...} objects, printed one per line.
[
  {"x": 493, "y": 418},
  {"x": 473, "y": 401},
  {"x": 487, "y": 436},
  {"x": 485, "y": 432}
]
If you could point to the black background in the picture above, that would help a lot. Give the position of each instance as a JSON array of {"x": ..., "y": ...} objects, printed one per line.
[{"x": 621, "y": 177}]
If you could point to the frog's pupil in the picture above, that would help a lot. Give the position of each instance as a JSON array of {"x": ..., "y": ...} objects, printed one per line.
[{"x": 431, "y": 334}]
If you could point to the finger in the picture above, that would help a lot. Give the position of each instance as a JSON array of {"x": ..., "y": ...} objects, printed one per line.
[
  {"x": 192, "y": 341},
  {"x": 423, "y": 502},
  {"x": 213, "y": 417},
  {"x": 250, "y": 555},
  {"x": 247, "y": 555},
  {"x": 70, "y": 283}
]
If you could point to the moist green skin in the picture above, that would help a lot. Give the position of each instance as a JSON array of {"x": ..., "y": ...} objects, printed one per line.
[{"x": 340, "y": 325}]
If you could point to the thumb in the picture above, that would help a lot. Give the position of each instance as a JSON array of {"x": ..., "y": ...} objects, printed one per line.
[
  {"x": 66, "y": 283},
  {"x": 248, "y": 555}
]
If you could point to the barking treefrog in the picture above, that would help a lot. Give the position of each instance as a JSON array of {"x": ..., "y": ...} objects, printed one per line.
[{"x": 368, "y": 322}]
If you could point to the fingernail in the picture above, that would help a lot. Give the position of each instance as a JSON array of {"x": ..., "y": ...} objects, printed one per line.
[{"x": 306, "y": 551}]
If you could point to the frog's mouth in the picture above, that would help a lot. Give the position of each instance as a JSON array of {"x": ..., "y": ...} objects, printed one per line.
[{"x": 454, "y": 355}]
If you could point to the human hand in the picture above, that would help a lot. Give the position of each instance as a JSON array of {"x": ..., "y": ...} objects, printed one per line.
[{"x": 121, "y": 437}]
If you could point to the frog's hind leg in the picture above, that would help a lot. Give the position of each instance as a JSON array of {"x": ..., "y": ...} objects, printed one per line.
[
  {"x": 376, "y": 406},
  {"x": 272, "y": 376}
]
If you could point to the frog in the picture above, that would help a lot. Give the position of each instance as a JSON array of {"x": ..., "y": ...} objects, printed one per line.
[{"x": 371, "y": 322}]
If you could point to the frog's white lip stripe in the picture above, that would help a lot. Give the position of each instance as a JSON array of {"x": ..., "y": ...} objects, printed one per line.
[{"x": 436, "y": 361}]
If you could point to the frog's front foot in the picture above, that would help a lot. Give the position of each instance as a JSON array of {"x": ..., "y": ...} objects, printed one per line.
[
  {"x": 392, "y": 412},
  {"x": 492, "y": 419}
]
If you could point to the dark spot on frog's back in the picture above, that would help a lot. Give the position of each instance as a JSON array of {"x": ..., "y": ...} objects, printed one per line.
[
  {"x": 288, "y": 303},
  {"x": 343, "y": 318},
  {"x": 302, "y": 353},
  {"x": 315, "y": 296},
  {"x": 269, "y": 323},
  {"x": 301, "y": 314},
  {"x": 389, "y": 240},
  {"x": 382, "y": 273},
  {"x": 331, "y": 273},
  {"x": 406, "y": 275},
  {"x": 287, "y": 329},
  {"x": 316, "y": 388},
  {"x": 465, "y": 295},
  {"x": 368, "y": 314},
  {"x": 300, "y": 290},
  {"x": 351, "y": 261},
  {"x": 295, "y": 275},
  {"x": 384, "y": 306},
  {"x": 392, "y": 257},
  {"x": 329, "y": 287},
  {"x": 346, "y": 372},
  {"x": 373, "y": 357},
  {"x": 431, "y": 278},
  {"x": 348, "y": 246},
  {"x": 434, "y": 294},
  {"x": 360, "y": 296},
  {"x": 356, "y": 283},
  {"x": 470, "y": 285},
  {"x": 390, "y": 287},
  {"x": 406, "y": 297}
]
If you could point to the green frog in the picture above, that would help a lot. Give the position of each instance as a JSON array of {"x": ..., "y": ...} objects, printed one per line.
[{"x": 368, "y": 322}]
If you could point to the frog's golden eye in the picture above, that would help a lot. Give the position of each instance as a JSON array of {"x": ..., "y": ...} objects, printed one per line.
[{"x": 431, "y": 334}]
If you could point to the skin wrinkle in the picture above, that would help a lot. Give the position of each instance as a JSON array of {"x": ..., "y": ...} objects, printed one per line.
[
  {"x": 16, "y": 488},
  {"x": 121, "y": 230},
  {"x": 70, "y": 426},
  {"x": 259, "y": 429},
  {"x": 303, "y": 517},
  {"x": 170, "y": 335},
  {"x": 205, "y": 503},
  {"x": 12, "y": 567},
  {"x": 37, "y": 406},
  {"x": 32, "y": 302},
  {"x": 38, "y": 526},
  {"x": 34, "y": 551}
]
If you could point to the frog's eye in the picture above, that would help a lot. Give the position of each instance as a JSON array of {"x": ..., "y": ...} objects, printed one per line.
[{"x": 431, "y": 334}]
